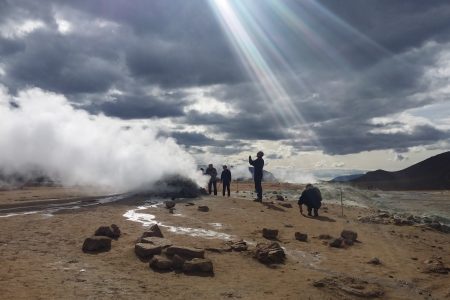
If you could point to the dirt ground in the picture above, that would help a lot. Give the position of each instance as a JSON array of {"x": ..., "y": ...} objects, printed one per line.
[{"x": 41, "y": 255}]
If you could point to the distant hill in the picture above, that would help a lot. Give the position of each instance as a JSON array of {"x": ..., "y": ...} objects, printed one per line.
[
  {"x": 346, "y": 178},
  {"x": 430, "y": 174}
]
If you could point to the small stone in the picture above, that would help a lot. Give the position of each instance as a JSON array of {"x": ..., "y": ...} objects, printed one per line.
[
  {"x": 303, "y": 237},
  {"x": 288, "y": 225},
  {"x": 153, "y": 231},
  {"x": 337, "y": 243},
  {"x": 270, "y": 234},
  {"x": 203, "y": 208},
  {"x": 239, "y": 246},
  {"x": 146, "y": 250},
  {"x": 280, "y": 198},
  {"x": 374, "y": 261},
  {"x": 269, "y": 253},
  {"x": 287, "y": 205},
  {"x": 169, "y": 204},
  {"x": 185, "y": 252},
  {"x": 325, "y": 237},
  {"x": 201, "y": 265},
  {"x": 161, "y": 263},
  {"x": 349, "y": 235},
  {"x": 97, "y": 244}
]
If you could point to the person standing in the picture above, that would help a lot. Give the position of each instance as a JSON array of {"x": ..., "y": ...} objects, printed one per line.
[
  {"x": 258, "y": 165},
  {"x": 212, "y": 183},
  {"x": 226, "y": 180},
  {"x": 312, "y": 198}
]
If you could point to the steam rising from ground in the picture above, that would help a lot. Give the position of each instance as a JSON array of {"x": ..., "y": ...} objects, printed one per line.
[{"x": 42, "y": 131}]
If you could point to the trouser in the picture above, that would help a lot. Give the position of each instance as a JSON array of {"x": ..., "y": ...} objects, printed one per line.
[
  {"x": 212, "y": 183},
  {"x": 225, "y": 186},
  {"x": 258, "y": 187},
  {"x": 316, "y": 211}
]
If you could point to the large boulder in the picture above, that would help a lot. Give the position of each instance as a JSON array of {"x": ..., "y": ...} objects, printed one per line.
[
  {"x": 97, "y": 244},
  {"x": 201, "y": 265},
  {"x": 185, "y": 252},
  {"x": 153, "y": 231},
  {"x": 112, "y": 231},
  {"x": 157, "y": 241},
  {"x": 161, "y": 263},
  {"x": 146, "y": 250},
  {"x": 269, "y": 253},
  {"x": 178, "y": 262},
  {"x": 270, "y": 234}
]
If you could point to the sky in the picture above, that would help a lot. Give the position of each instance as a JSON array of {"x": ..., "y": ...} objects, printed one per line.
[{"x": 317, "y": 85}]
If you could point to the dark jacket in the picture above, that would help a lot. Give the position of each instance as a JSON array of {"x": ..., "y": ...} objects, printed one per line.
[
  {"x": 211, "y": 172},
  {"x": 311, "y": 197},
  {"x": 258, "y": 165},
  {"x": 226, "y": 176}
]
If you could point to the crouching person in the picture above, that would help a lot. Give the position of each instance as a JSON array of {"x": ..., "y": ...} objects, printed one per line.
[{"x": 312, "y": 198}]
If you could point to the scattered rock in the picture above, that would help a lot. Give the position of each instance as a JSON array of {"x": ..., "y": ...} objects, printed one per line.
[
  {"x": 270, "y": 234},
  {"x": 186, "y": 252},
  {"x": 374, "y": 261},
  {"x": 178, "y": 262},
  {"x": 157, "y": 241},
  {"x": 169, "y": 204},
  {"x": 146, "y": 250},
  {"x": 153, "y": 231},
  {"x": 337, "y": 243},
  {"x": 239, "y": 246},
  {"x": 349, "y": 235},
  {"x": 269, "y": 253},
  {"x": 97, "y": 244},
  {"x": 203, "y": 208},
  {"x": 112, "y": 231},
  {"x": 435, "y": 265},
  {"x": 280, "y": 198},
  {"x": 201, "y": 265},
  {"x": 189, "y": 204},
  {"x": 325, "y": 237},
  {"x": 161, "y": 263},
  {"x": 288, "y": 225},
  {"x": 287, "y": 205},
  {"x": 303, "y": 237},
  {"x": 342, "y": 287}
]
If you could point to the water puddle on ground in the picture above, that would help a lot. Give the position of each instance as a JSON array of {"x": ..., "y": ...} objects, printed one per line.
[
  {"x": 147, "y": 219},
  {"x": 47, "y": 210}
]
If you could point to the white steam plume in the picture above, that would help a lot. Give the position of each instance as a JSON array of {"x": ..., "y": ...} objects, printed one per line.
[{"x": 46, "y": 133}]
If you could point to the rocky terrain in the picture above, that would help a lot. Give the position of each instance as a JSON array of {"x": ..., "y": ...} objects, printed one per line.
[{"x": 219, "y": 248}]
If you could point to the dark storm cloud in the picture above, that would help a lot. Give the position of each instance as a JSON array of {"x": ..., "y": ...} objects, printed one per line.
[
  {"x": 371, "y": 63},
  {"x": 356, "y": 139}
]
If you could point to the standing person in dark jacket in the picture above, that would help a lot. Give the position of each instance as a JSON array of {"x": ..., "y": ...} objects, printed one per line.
[
  {"x": 226, "y": 180},
  {"x": 312, "y": 198},
  {"x": 258, "y": 165},
  {"x": 211, "y": 171}
]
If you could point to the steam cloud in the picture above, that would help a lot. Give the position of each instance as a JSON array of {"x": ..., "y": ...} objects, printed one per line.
[{"x": 42, "y": 131}]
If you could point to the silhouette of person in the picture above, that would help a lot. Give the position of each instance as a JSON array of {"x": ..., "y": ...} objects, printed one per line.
[
  {"x": 312, "y": 198},
  {"x": 212, "y": 172},
  {"x": 258, "y": 165},
  {"x": 226, "y": 180}
]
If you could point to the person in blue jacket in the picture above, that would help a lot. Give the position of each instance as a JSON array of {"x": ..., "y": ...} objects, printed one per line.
[
  {"x": 312, "y": 198},
  {"x": 258, "y": 165}
]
